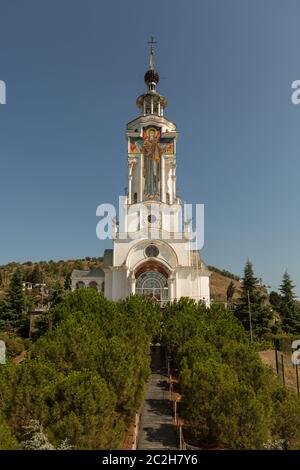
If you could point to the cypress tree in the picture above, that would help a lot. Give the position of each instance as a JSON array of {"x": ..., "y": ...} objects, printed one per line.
[{"x": 230, "y": 291}]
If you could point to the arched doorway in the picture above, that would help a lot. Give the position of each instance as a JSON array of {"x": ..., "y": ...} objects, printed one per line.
[{"x": 152, "y": 282}]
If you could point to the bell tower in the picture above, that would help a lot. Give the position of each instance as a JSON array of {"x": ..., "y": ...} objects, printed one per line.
[
  {"x": 151, "y": 140},
  {"x": 152, "y": 253},
  {"x": 152, "y": 250}
]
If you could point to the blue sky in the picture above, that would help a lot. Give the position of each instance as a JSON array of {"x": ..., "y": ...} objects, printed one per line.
[{"x": 73, "y": 70}]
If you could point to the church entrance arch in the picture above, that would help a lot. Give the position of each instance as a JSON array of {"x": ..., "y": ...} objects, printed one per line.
[{"x": 152, "y": 282}]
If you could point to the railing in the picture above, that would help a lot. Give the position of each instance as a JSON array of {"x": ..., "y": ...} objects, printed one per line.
[
  {"x": 183, "y": 445},
  {"x": 134, "y": 445},
  {"x": 286, "y": 371}
]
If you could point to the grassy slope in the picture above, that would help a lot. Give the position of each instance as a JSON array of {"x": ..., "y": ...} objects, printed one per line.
[{"x": 219, "y": 284}]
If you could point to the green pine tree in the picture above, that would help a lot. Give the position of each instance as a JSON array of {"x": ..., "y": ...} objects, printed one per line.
[
  {"x": 36, "y": 275},
  {"x": 15, "y": 313},
  {"x": 67, "y": 284},
  {"x": 15, "y": 293},
  {"x": 288, "y": 309},
  {"x": 253, "y": 297},
  {"x": 57, "y": 294},
  {"x": 275, "y": 300}
]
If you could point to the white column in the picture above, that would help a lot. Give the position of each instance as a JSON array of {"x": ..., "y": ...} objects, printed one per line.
[
  {"x": 130, "y": 168},
  {"x": 130, "y": 189},
  {"x": 172, "y": 196},
  {"x": 141, "y": 178},
  {"x": 171, "y": 286},
  {"x": 151, "y": 104},
  {"x": 132, "y": 281},
  {"x": 174, "y": 187},
  {"x": 159, "y": 108},
  {"x": 173, "y": 179},
  {"x": 163, "y": 180}
]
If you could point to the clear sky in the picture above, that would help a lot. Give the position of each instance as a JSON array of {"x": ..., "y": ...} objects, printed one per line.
[{"x": 73, "y": 69}]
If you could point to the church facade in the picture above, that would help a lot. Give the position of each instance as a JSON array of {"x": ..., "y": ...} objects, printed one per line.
[{"x": 152, "y": 251}]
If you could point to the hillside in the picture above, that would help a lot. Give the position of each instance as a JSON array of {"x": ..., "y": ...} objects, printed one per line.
[
  {"x": 53, "y": 271},
  {"x": 219, "y": 284},
  {"x": 48, "y": 272}
]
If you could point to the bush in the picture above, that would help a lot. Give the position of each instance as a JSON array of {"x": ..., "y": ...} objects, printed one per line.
[
  {"x": 7, "y": 440},
  {"x": 14, "y": 344}
]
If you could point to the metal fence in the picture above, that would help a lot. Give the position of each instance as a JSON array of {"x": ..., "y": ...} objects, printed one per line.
[
  {"x": 286, "y": 370},
  {"x": 182, "y": 444}
]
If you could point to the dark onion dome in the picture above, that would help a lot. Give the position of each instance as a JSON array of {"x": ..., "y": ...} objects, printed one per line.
[{"x": 151, "y": 76}]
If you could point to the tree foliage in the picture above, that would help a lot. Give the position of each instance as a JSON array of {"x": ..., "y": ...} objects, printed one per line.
[
  {"x": 13, "y": 309},
  {"x": 230, "y": 291},
  {"x": 253, "y": 298},
  {"x": 84, "y": 379},
  {"x": 229, "y": 398},
  {"x": 7, "y": 440},
  {"x": 288, "y": 309}
]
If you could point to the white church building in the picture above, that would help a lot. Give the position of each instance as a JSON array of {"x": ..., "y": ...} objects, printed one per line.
[{"x": 152, "y": 253}]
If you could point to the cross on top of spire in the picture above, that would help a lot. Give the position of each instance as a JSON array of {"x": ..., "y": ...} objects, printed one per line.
[{"x": 152, "y": 42}]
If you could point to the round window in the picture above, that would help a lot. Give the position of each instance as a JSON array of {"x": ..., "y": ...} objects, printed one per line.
[
  {"x": 152, "y": 251},
  {"x": 151, "y": 219}
]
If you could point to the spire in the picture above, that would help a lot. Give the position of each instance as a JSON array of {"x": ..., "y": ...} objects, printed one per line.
[
  {"x": 151, "y": 102},
  {"x": 151, "y": 76},
  {"x": 151, "y": 42}
]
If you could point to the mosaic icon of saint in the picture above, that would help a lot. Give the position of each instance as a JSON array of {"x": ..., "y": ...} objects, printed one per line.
[{"x": 152, "y": 152}]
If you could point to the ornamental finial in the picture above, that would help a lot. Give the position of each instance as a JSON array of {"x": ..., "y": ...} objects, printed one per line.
[{"x": 152, "y": 42}]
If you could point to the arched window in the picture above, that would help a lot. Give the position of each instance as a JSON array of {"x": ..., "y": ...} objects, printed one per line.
[
  {"x": 93, "y": 285},
  {"x": 80, "y": 285},
  {"x": 135, "y": 198},
  {"x": 168, "y": 198},
  {"x": 102, "y": 287},
  {"x": 152, "y": 284}
]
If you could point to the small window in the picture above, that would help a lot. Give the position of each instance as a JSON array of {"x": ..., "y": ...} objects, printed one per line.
[
  {"x": 80, "y": 285},
  {"x": 151, "y": 219},
  {"x": 135, "y": 198},
  {"x": 93, "y": 285}
]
